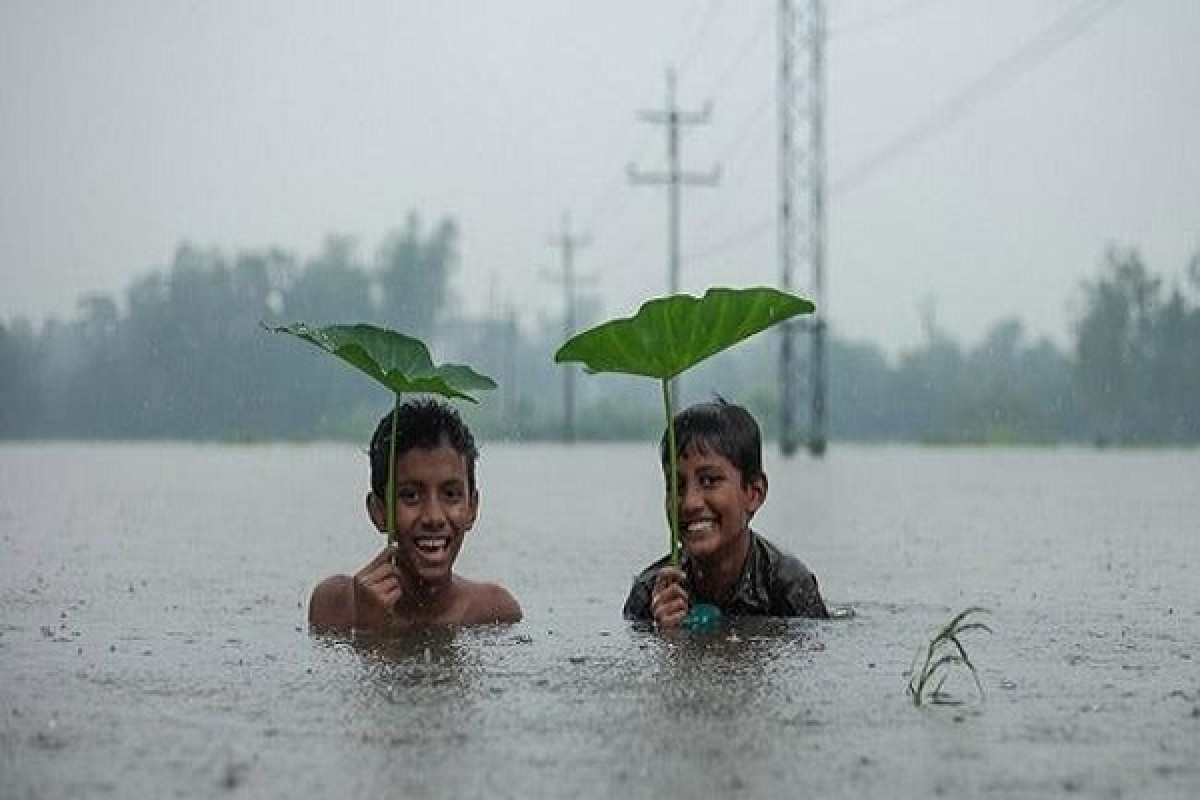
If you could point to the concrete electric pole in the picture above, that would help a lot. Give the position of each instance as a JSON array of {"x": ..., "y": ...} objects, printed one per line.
[
  {"x": 567, "y": 242},
  {"x": 674, "y": 179}
]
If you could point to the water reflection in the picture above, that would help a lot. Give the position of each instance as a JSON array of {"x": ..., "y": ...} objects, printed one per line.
[
  {"x": 433, "y": 658},
  {"x": 427, "y": 645},
  {"x": 730, "y": 668},
  {"x": 1094, "y": 675}
]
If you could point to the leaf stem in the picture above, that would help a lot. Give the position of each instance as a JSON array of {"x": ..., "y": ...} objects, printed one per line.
[
  {"x": 391, "y": 482},
  {"x": 673, "y": 475}
]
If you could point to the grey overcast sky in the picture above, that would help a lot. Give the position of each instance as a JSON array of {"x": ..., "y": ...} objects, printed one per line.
[{"x": 982, "y": 154}]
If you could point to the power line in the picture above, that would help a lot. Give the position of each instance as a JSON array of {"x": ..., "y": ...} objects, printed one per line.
[
  {"x": 756, "y": 117},
  {"x": 878, "y": 20},
  {"x": 1049, "y": 40},
  {"x": 731, "y": 157},
  {"x": 693, "y": 47},
  {"x": 739, "y": 60},
  {"x": 1060, "y": 32},
  {"x": 605, "y": 199},
  {"x": 733, "y": 240},
  {"x": 674, "y": 177},
  {"x": 747, "y": 43}
]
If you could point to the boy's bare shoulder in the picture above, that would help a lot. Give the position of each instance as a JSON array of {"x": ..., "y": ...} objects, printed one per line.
[
  {"x": 331, "y": 607},
  {"x": 488, "y": 603}
]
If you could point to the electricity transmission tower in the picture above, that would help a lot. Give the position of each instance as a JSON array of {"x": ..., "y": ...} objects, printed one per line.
[
  {"x": 567, "y": 243},
  {"x": 674, "y": 178},
  {"x": 802, "y": 204}
]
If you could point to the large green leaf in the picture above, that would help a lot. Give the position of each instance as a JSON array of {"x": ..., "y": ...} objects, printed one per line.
[
  {"x": 668, "y": 335},
  {"x": 399, "y": 362}
]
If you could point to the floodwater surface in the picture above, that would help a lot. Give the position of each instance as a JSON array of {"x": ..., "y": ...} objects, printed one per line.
[{"x": 153, "y": 640}]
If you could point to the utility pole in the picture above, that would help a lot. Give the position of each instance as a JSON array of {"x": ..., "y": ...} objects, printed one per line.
[
  {"x": 504, "y": 336},
  {"x": 567, "y": 242},
  {"x": 511, "y": 382},
  {"x": 674, "y": 178},
  {"x": 802, "y": 203}
]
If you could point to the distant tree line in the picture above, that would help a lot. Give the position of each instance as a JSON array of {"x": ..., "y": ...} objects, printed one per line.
[{"x": 185, "y": 356}]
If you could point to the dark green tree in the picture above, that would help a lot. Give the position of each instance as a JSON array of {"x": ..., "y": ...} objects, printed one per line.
[
  {"x": 1112, "y": 345},
  {"x": 1013, "y": 391},
  {"x": 414, "y": 274},
  {"x": 20, "y": 381}
]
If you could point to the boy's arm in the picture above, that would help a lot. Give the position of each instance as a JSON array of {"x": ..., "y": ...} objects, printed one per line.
[
  {"x": 342, "y": 604},
  {"x": 669, "y": 601},
  {"x": 658, "y": 595}
]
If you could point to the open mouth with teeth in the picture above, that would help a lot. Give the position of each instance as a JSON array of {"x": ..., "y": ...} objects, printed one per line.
[
  {"x": 699, "y": 527},
  {"x": 435, "y": 547}
]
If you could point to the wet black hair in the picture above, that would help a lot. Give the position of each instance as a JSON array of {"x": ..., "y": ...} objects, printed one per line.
[
  {"x": 719, "y": 427},
  {"x": 425, "y": 423}
]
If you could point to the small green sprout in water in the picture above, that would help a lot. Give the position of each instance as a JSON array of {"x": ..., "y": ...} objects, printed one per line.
[{"x": 944, "y": 651}]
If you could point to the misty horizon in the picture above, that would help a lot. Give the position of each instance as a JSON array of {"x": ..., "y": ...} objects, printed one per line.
[{"x": 982, "y": 156}]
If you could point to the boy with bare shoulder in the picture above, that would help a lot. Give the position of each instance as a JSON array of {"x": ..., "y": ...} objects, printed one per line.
[{"x": 412, "y": 583}]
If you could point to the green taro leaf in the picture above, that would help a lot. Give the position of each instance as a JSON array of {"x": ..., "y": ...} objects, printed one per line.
[
  {"x": 668, "y": 335},
  {"x": 401, "y": 363}
]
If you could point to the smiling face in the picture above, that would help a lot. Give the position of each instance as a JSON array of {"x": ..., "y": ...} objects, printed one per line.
[
  {"x": 715, "y": 504},
  {"x": 435, "y": 507}
]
